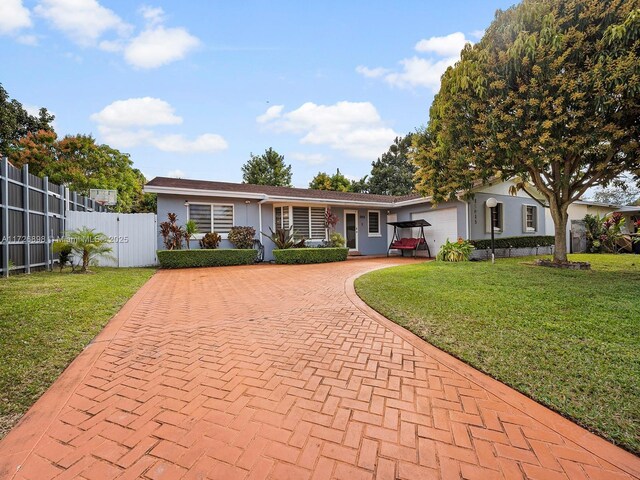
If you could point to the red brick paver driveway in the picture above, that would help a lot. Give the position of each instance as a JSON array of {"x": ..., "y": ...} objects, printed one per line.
[{"x": 281, "y": 372}]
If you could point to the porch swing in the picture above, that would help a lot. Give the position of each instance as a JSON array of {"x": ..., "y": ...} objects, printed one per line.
[{"x": 409, "y": 244}]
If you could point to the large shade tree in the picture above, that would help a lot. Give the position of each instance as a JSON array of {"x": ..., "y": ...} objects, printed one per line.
[
  {"x": 267, "y": 169},
  {"x": 392, "y": 173},
  {"x": 550, "y": 95},
  {"x": 16, "y": 122},
  {"x": 80, "y": 163}
]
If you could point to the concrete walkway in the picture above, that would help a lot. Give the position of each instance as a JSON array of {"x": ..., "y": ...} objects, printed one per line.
[{"x": 281, "y": 372}]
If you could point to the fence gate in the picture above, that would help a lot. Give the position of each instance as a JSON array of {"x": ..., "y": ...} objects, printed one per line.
[{"x": 134, "y": 235}]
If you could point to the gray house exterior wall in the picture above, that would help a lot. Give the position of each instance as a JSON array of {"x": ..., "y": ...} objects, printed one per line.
[
  {"x": 404, "y": 213},
  {"x": 244, "y": 214},
  {"x": 512, "y": 216}
]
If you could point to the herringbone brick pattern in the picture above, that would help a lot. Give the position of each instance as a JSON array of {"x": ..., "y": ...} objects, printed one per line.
[{"x": 273, "y": 372}]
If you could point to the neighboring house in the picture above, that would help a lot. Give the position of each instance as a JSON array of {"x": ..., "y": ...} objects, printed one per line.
[{"x": 217, "y": 206}]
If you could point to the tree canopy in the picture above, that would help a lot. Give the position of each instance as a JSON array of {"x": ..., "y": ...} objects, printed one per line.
[
  {"x": 81, "y": 164},
  {"x": 336, "y": 182},
  {"x": 550, "y": 95},
  {"x": 392, "y": 173},
  {"x": 16, "y": 122},
  {"x": 267, "y": 169}
]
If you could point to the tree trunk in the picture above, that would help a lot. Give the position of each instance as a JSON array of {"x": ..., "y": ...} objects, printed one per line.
[{"x": 560, "y": 217}]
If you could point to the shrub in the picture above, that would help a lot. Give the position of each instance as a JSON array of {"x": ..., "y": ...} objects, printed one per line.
[
  {"x": 210, "y": 241},
  {"x": 459, "y": 251},
  {"x": 89, "y": 245},
  {"x": 336, "y": 240},
  {"x": 515, "y": 242},
  {"x": 604, "y": 233},
  {"x": 172, "y": 234},
  {"x": 242, "y": 237},
  {"x": 206, "y": 257},
  {"x": 282, "y": 238},
  {"x": 310, "y": 255},
  {"x": 190, "y": 229},
  {"x": 63, "y": 249}
]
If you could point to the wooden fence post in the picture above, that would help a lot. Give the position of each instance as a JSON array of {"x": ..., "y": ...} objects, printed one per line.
[
  {"x": 4, "y": 173},
  {"x": 25, "y": 216}
]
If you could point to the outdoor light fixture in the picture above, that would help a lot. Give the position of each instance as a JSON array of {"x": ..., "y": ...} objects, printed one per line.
[
  {"x": 492, "y": 203},
  {"x": 186, "y": 203}
]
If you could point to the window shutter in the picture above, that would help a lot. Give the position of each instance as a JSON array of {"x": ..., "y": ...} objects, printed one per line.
[
  {"x": 374, "y": 223},
  {"x": 318, "y": 231},
  {"x": 301, "y": 222},
  {"x": 201, "y": 214},
  {"x": 524, "y": 218}
]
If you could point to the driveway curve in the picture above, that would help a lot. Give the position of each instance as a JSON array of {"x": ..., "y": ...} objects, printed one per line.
[{"x": 281, "y": 372}]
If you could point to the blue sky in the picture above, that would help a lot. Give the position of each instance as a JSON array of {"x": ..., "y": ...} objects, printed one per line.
[{"x": 191, "y": 88}]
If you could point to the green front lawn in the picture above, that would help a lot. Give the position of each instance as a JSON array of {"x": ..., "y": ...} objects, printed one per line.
[
  {"x": 568, "y": 339},
  {"x": 46, "y": 319}
]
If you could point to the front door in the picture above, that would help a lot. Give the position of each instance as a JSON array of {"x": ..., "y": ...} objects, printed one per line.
[{"x": 351, "y": 229}]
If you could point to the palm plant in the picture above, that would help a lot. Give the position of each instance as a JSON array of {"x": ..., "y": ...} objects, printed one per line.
[
  {"x": 89, "y": 245},
  {"x": 283, "y": 238},
  {"x": 190, "y": 229}
]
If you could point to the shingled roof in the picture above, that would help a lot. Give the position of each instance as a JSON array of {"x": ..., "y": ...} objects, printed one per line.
[{"x": 289, "y": 192}]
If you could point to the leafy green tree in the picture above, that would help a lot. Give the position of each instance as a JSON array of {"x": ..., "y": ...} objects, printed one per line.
[
  {"x": 267, "y": 169},
  {"x": 392, "y": 173},
  {"x": 80, "y": 163},
  {"x": 16, "y": 122},
  {"x": 360, "y": 186},
  {"x": 620, "y": 192},
  {"x": 550, "y": 95},
  {"x": 336, "y": 182}
]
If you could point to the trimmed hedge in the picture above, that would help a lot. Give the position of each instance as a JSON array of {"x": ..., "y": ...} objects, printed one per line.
[
  {"x": 515, "y": 242},
  {"x": 292, "y": 256},
  {"x": 206, "y": 257}
]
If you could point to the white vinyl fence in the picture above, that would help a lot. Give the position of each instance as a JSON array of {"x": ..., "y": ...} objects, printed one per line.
[{"x": 134, "y": 235}]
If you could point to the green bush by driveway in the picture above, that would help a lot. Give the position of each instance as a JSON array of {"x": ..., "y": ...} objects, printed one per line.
[
  {"x": 568, "y": 339},
  {"x": 46, "y": 319},
  {"x": 310, "y": 255},
  {"x": 206, "y": 257}
]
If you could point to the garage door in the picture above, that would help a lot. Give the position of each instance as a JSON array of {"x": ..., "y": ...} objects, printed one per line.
[{"x": 444, "y": 224}]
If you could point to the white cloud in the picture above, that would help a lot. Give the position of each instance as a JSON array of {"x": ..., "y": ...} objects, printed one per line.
[
  {"x": 175, "y": 173},
  {"x": 418, "y": 71},
  {"x": 31, "y": 40},
  {"x": 309, "y": 158},
  {"x": 371, "y": 72},
  {"x": 352, "y": 127},
  {"x": 13, "y": 16},
  {"x": 129, "y": 123},
  {"x": 271, "y": 113},
  {"x": 157, "y": 46},
  {"x": 447, "y": 46},
  {"x": 208, "y": 142},
  {"x": 84, "y": 21},
  {"x": 153, "y": 15},
  {"x": 145, "y": 111},
  {"x": 477, "y": 34}
]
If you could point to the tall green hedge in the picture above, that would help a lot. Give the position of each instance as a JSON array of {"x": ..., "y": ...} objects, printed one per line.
[
  {"x": 310, "y": 255},
  {"x": 531, "y": 241},
  {"x": 206, "y": 257}
]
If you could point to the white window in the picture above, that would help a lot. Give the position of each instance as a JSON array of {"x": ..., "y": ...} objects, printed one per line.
[
  {"x": 211, "y": 217},
  {"x": 307, "y": 222},
  {"x": 374, "y": 223},
  {"x": 498, "y": 218},
  {"x": 529, "y": 218}
]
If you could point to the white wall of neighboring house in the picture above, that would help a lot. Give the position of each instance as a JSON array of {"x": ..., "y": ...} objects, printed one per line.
[{"x": 577, "y": 211}]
